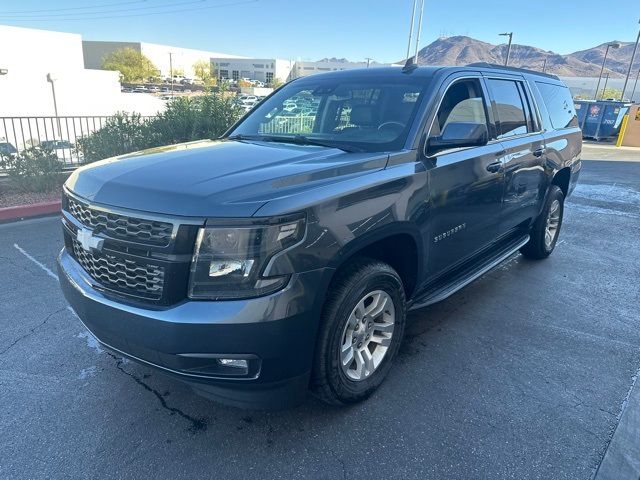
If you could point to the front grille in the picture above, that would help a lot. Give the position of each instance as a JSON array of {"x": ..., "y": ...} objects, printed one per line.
[
  {"x": 132, "y": 229},
  {"x": 131, "y": 277}
]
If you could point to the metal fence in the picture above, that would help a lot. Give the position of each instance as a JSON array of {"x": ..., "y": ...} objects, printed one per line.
[{"x": 59, "y": 134}]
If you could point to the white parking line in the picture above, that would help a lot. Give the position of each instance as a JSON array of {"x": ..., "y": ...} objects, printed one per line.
[{"x": 41, "y": 265}]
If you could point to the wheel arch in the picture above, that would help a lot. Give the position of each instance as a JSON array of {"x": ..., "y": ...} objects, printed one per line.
[{"x": 399, "y": 245}]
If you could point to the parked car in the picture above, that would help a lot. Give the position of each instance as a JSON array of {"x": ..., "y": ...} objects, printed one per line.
[
  {"x": 8, "y": 150},
  {"x": 141, "y": 89},
  {"x": 262, "y": 265},
  {"x": 64, "y": 150},
  {"x": 153, "y": 89}
]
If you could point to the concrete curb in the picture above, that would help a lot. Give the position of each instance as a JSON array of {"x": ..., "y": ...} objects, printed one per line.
[{"x": 10, "y": 214}]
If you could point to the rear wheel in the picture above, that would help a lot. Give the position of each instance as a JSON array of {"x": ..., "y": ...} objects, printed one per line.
[
  {"x": 362, "y": 327},
  {"x": 546, "y": 228}
]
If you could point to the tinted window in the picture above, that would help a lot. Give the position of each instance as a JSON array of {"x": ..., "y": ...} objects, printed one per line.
[
  {"x": 372, "y": 113},
  {"x": 559, "y": 104},
  {"x": 463, "y": 102},
  {"x": 509, "y": 107}
]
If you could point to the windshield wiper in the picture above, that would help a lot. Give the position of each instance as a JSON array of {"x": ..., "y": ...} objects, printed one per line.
[{"x": 302, "y": 140}]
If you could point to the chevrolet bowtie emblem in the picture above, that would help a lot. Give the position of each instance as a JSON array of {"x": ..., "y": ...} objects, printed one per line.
[{"x": 88, "y": 241}]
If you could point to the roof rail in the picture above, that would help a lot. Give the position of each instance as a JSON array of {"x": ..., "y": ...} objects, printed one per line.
[{"x": 513, "y": 69}]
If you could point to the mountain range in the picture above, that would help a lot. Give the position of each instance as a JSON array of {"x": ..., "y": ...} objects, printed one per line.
[{"x": 462, "y": 50}]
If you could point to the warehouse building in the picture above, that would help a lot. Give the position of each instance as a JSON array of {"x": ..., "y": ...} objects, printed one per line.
[{"x": 165, "y": 57}]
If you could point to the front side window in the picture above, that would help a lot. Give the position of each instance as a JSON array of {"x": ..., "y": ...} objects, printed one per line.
[
  {"x": 559, "y": 105},
  {"x": 369, "y": 114},
  {"x": 509, "y": 107}
]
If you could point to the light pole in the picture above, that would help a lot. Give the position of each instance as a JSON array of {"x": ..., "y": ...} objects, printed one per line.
[
  {"x": 633, "y": 56},
  {"x": 604, "y": 60},
  {"x": 606, "y": 80},
  {"x": 510, "y": 35},
  {"x": 51, "y": 79}
]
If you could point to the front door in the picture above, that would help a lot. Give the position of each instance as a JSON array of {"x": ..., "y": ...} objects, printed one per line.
[{"x": 466, "y": 184}]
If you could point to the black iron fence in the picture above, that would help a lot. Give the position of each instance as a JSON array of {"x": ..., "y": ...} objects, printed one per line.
[{"x": 59, "y": 134}]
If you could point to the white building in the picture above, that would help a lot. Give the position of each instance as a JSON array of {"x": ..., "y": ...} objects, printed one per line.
[
  {"x": 164, "y": 57},
  {"x": 36, "y": 55},
  {"x": 266, "y": 69},
  {"x": 263, "y": 69}
]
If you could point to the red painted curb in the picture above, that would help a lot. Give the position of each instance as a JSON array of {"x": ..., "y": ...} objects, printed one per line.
[{"x": 26, "y": 211}]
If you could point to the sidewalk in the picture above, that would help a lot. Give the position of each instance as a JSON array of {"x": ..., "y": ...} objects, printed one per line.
[{"x": 600, "y": 151}]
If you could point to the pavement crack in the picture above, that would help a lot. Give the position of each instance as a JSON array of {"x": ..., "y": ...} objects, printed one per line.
[
  {"x": 196, "y": 424},
  {"x": 31, "y": 331}
]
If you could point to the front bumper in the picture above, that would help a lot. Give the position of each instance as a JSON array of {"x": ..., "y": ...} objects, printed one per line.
[{"x": 276, "y": 333}]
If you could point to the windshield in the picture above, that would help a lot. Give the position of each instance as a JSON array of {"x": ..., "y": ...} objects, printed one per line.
[{"x": 357, "y": 114}]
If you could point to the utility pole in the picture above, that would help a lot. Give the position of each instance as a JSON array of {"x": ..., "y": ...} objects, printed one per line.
[
  {"x": 413, "y": 14},
  {"x": 419, "y": 29},
  {"x": 544, "y": 65},
  {"x": 510, "y": 35},
  {"x": 171, "y": 71},
  {"x": 633, "y": 56},
  {"x": 604, "y": 60},
  {"x": 368, "y": 59}
]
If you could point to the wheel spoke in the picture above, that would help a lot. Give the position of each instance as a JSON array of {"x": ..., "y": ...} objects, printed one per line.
[
  {"x": 548, "y": 238},
  {"x": 368, "y": 361},
  {"x": 359, "y": 373},
  {"x": 374, "y": 304},
  {"x": 382, "y": 341},
  {"x": 379, "y": 308},
  {"x": 347, "y": 356},
  {"x": 383, "y": 327}
]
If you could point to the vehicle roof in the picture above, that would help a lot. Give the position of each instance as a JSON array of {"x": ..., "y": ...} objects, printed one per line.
[{"x": 428, "y": 71}]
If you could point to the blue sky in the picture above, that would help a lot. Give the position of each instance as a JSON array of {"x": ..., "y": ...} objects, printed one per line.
[{"x": 311, "y": 30}]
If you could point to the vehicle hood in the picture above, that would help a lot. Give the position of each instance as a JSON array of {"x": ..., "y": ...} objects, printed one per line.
[{"x": 215, "y": 178}]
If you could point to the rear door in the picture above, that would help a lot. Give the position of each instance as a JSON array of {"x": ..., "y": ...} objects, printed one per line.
[{"x": 518, "y": 131}]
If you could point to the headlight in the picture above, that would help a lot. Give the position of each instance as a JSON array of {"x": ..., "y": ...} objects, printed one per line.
[{"x": 229, "y": 260}]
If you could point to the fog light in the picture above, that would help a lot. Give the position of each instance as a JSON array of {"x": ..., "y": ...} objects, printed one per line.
[{"x": 232, "y": 362}]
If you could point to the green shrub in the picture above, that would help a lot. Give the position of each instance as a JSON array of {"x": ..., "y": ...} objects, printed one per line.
[
  {"x": 33, "y": 170},
  {"x": 121, "y": 134},
  {"x": 185, "y": 119}
]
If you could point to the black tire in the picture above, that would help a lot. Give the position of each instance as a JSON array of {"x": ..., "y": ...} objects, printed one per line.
[
  {"x": 537, "y": 247},
  {"x": 353, "y": 283}
]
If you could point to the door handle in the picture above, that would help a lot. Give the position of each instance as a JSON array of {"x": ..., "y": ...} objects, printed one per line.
[
  {"x": 494, "y": 167},
  {"x": 539, "y": 152}
]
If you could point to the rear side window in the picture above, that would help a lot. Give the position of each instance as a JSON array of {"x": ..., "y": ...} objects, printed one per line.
[
  {"x": 509, "y": 107},
  {"x": 559, "y": 104}
]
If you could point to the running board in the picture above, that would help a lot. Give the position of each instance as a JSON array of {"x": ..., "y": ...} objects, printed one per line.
[{"x": 468, "y": 275}]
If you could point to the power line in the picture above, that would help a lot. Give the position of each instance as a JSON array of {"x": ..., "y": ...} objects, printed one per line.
[
  {"x": 98, "y": 12},
  {"x": 30, "y": 19},
  {"x": 73, "y": 8}
]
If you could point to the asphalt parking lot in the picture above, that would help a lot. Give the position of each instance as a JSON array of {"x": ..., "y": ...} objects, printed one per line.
[{"x": 522, "y": 374}]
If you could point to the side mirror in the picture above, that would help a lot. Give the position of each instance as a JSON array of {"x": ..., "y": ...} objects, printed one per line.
[{"x": 458, "y": 135}]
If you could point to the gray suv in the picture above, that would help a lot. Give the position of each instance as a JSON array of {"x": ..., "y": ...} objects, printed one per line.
[{"x": 284, "y": 256}]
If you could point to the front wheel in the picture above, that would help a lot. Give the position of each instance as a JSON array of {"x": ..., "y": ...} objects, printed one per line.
[
  {"x": 546, "y": 228},
  {"x": 362, "y": 327}
]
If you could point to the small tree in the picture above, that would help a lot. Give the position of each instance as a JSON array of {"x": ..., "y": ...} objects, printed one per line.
[
  {"x": 132, "y": 65},
  {"x": 243, "y": 83},
  {"x": 177, "y": 72},
  {"x": 276, "y": 82},
  {"x": 202, "y": 71}
]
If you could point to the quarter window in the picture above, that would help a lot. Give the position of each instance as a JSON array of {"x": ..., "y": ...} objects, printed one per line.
[
  {"x": 559, "y": 104},
  {"x": 509, "y": 107}
]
